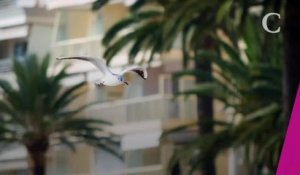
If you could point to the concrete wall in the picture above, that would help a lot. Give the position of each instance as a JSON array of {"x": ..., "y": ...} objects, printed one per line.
[
  {"x": 39, "y": 40},
  {"x": 79, "y": 23},
  {"x": 113, "y": 13}
]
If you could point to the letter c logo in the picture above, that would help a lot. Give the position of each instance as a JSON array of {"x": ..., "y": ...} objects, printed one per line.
[{"x": 265, "y": 20}]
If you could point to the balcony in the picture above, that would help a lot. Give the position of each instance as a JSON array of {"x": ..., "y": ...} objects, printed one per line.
[
  {"x": 88, "y": 46},
  {"x": 7, "y": 3},
  {"x": 147, "y": 170},
  {"x": 139, "y": 123},
  {"x": 10, "y": 14},
  {"x": 56, "y": 4},
  {"x": 19, "y": 3},
  {"x": 80, "y": 46},
  {"x": 152, "y": 107},
  {"x": 5, "y": 65},
  {"x": 161, "y": 105}
]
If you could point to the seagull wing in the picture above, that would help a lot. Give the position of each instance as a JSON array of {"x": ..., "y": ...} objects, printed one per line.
[
  {"x": 141, "y": 71},
  {"x": 98, "y": 62}
]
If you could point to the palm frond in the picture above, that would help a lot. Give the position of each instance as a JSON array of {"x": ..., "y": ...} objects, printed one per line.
[
  {"x": 39, "y": 108},
  {"x": 99, "y": 4}
]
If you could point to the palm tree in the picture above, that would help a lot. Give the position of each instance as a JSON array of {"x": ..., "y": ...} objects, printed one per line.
[
  {"x": 251, "y": 87},
  {"x": 37, "y": 112},
  {"x": 195, "y": 21},
  {"x": 155, "y": 30}
]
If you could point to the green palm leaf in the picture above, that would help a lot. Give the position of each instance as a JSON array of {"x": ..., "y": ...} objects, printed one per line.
[{"x": 38, "y": 108}]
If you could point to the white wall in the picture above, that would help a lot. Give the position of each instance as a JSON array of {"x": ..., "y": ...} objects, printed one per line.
[{"x": 39, "y": 40}]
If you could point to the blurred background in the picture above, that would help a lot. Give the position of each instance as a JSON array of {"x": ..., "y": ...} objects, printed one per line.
[{"x": 217, "y": 100}]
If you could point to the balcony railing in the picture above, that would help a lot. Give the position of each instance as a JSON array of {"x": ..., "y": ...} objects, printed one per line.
[
  {"x": 144, "y": 108},
  {"x": 18, "y": 3},
  {"x": 54, "y": 4},
  {"x": 148, "y": 170},
  {"x": 5, "y": 64},
  {"x": 81, "y": 46},
  {"x": 10, "y": 14},
  {"x": 162, "y": 105},
  {"x": 89, "y": 46},
  {"x": 7, "y": 3}
]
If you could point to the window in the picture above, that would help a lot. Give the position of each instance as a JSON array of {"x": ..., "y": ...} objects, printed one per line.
[
  {"x": 142, "y": 157},
  {"x": 136, "y": 87},
  {"x": 107, "y": 163},
  {"x": 4, "y": 48},
  {"x": 97, "y": 24},
  {"x": 20, "y": 50},
  {"x": 79, "y": 23},
  {"x": 62, "y": 31},
  {"x": 58, "y": 162},
  {"x": 16, "y": 172},
  {"x": 23, "y": 172}
]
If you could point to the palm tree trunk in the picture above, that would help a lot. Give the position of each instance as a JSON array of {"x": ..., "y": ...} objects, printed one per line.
[
  {"x": 38, "y": 162},
  {"x": 176, "y": 169},
  {"x": 37, "y": 149},
  {"x": 292, "y": 53},
  {"x": 205, "y": 106}
]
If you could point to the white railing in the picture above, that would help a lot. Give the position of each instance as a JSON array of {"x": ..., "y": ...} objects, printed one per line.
[
  {"x": 5, "y": 64},
  {"x": 31, "y": 3},
  {"x": 147, "y": 170},
  {"x": 7, "y": 3},
  {"x": 157, "y": 106},
  {"x": 54, "y": 4},
  {"x": 81, "y": 46},
  {"x": 10, "y": 14},
  {"x": 144, "y": 108},
  {"x": 138, "y": 109}
]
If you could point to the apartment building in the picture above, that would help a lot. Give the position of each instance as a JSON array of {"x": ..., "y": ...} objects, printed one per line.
[
  {"x": 140, "y": 112},
  {"x": 25, "y": 27}
]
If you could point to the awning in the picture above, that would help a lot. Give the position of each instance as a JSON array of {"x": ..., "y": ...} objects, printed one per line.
[{"x": 13, "y": 32}]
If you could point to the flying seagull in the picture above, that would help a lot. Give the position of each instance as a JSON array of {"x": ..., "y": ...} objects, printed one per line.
[{"x": 109, "y": 78}]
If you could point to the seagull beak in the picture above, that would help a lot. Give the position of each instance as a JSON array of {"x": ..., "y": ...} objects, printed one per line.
[{"x": 125, "y": 82}]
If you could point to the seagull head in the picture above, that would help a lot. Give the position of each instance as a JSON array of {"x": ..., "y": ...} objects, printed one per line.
[{"x": 122, "y": 79}]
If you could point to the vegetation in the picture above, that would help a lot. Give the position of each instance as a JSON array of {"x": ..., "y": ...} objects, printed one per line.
[
  {"x": 250, "y": 86},
  {"x": 247, "y": 81},
  {"x": 154, "y": 30},
  {"x": 36, "y": 112}
]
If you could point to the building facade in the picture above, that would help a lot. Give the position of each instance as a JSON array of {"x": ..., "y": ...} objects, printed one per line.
[
  {"x": 140, "y": 112},
  {"x": 25, "y": 28}
]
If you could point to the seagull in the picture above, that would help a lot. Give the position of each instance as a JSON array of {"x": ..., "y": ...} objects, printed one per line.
[{"x": 109, "y": 78}]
